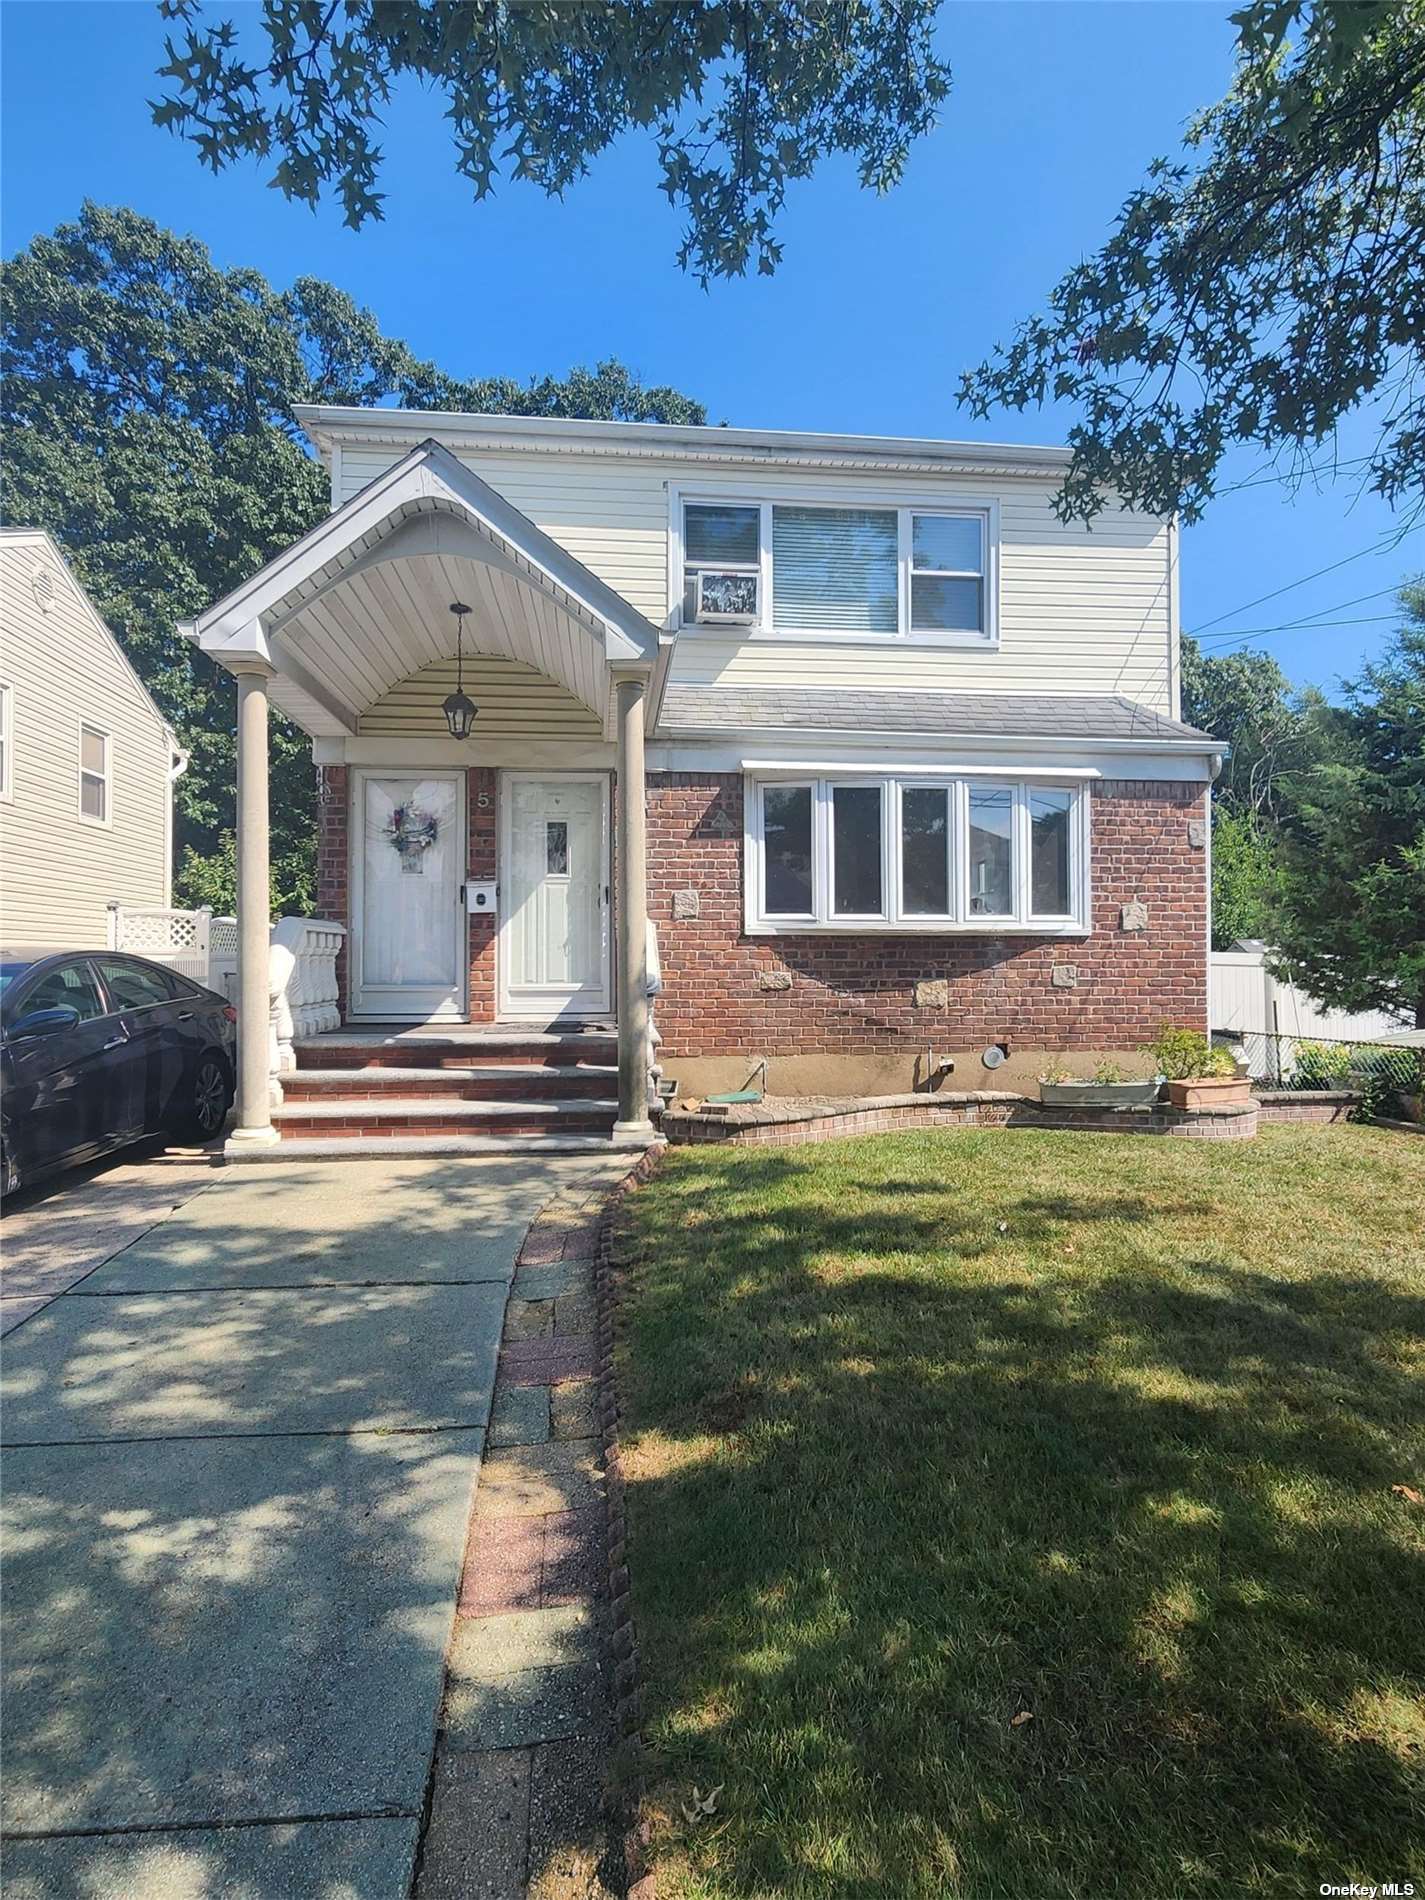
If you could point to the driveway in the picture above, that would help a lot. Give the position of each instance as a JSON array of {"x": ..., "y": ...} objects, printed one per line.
[{"x": 239, "y": 1462}]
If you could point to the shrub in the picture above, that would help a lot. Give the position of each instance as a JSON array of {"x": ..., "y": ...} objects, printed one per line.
[
  {"x": 1185, "y": 1055},
  {"x": 1321, "y": 1065}
]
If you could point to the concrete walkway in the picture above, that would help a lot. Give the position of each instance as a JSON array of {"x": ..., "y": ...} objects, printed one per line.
[{"x": 238, "y": 1470}]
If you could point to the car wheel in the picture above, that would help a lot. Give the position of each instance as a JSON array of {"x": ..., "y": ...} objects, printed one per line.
[{"x": 209, "y": 1098}]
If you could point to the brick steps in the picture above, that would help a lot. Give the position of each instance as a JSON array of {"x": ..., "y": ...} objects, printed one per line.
[
  {"x": 432, "y": 1091},
  {"x": 426, "y": 1049},
  {"x": 427, "y": 1115},
  {"x": 505, "y": 1081}
]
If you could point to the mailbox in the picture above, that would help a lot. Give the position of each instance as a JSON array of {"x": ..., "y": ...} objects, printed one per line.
[{"x": 480, "y": 898}]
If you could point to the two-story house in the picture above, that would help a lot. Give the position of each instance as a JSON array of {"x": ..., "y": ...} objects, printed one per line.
[
  {"x": 87, "y": 761},
  {"x": 880, "y": 757}
]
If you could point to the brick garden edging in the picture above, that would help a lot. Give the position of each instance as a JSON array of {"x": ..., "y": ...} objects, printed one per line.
[
  {"x": 789, "y": 1122},
  {"x": 625, "y": 1783}
]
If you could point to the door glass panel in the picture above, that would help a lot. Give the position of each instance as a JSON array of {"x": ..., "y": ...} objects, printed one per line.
[
  {"x": 925, "y": 862},
  {"x": 991, "y": 835},
  {"x": 856, "y": 849},
  {"x": 786, "y": 840},
  {"x": 556, "y": 847},
  {"x": 71, "y": 986},
  {"x": 1049, "y": 836}
]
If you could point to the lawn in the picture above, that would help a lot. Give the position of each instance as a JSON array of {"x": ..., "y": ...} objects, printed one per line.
[{"x": 1012, "y": 1514}]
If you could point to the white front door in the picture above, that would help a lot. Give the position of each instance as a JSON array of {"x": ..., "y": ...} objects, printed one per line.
[
  {"x": 554, "y": 897},
  {"x": 409, "y": 958}
]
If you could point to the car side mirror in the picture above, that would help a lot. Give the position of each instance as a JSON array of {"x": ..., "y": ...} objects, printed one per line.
[{"x": 43, "y": 1022}]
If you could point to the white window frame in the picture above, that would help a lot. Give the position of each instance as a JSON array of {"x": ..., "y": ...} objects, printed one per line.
[
  {"x": 87, "y": 818},
  {"x": 903, "y": 505},
  {"x": 7, "y": 741},
  {"x": 892, "y": 918}
]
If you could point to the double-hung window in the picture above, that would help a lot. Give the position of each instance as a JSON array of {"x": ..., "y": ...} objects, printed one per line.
[
  {"x": 95, "y": 775},
  {"x": 813, "y": 569},
  {"x": 916, "y": 853}
]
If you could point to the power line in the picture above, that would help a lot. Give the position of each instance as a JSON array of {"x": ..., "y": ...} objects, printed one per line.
[
  {"x": 1345, "y": 561},
  {"x": 1310, "y": 620},
  {"x": 1296, "y": 626}
]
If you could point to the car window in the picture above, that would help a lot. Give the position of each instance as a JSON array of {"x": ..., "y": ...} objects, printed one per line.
[
  {"x": 67, "y": 986},
  {"x": 134, "y": 987}
]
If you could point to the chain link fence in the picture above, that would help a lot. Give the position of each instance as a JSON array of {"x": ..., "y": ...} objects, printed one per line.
[{"x": 1311, "y": 1062}]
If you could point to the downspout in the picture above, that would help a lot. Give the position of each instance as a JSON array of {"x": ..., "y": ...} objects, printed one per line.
[{"x": 178, "y": 761}]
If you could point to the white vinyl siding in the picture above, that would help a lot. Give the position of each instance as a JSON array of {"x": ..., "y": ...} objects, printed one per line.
[
  {"x": 886, "y": 853},
  {"x": 1080, "y": 610},
  {"x": 66, "y": 671},
  {"x": 7, "y": 742}
]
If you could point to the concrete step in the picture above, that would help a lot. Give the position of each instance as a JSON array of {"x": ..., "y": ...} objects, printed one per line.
[
  {"x": 470, "y": 1082},
  {"x": 431, "y": 1115},
  {"x": 431, "y": 1049},
  {"x": 432, "y": 1147}
]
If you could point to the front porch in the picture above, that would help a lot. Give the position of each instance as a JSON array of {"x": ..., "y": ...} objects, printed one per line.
[{"x": 481, "y": 827}]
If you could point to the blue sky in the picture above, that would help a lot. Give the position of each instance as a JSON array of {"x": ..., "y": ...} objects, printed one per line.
[{"x": 878, "y": 306}]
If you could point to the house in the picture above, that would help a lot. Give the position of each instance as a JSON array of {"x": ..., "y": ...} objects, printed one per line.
[
  {"x": 87, "y": 763},
  {"x": 875, "y": 760}
]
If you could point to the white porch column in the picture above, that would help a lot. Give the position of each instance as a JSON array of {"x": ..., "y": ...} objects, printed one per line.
[
  {"x": 631, "y": 844},
  {"x": 254, "y": 904}
]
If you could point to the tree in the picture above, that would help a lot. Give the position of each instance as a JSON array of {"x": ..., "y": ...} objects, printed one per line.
[
  {"x": 1244, "y": 870},
  {"x": 1260, "y": 291},
  {"x": 1349, "y": 912},
  {"x": 742, "y": 97},
  {"x": 147, "y": 403}
]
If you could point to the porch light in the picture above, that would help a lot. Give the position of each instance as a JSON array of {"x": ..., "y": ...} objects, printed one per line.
[{"x": 460, "y": 711}]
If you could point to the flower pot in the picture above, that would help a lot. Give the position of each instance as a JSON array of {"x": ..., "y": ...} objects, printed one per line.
[
  {"x": 1098, "y": 1094},
  {"x": 1208, "y": 1091}
]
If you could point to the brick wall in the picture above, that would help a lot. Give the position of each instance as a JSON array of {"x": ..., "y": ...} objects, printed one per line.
[
  {"x": 334, "y": 860},
  {"x": 856, "y": 994},
  {"x": 480, "y": 791}
]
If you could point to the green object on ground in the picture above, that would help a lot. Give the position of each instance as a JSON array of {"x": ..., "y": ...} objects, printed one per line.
[{"x": 736, "y": 1095}]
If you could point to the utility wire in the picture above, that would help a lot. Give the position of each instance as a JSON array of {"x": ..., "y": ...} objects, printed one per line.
[{"x": 1375, "y": 548}]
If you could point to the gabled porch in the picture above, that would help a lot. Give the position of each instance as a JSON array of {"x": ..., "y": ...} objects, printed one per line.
[{"x": 481, "y": 805}]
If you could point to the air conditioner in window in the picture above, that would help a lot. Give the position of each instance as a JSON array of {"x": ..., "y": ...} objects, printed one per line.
[{"x": 725, "y": 598}]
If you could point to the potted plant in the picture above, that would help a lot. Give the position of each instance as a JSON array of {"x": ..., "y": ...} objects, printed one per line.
[
  {"x": 1196, "y": 1074},
  {"x": 1110, "y": 1087}
]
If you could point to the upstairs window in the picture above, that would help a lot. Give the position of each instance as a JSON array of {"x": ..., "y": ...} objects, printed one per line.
[
  {"x": 915, "y": 854},
  {"x": 859, "y": 573},
  {"x": 94, "y": 775},
  {"x": 722, "y": 564}
]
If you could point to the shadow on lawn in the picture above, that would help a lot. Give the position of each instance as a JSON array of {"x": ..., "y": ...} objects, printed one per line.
[{"x": 1156, "y": 1513}]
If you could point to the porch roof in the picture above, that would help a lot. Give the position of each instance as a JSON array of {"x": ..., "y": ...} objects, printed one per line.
[{"x": 362, "y": 601}]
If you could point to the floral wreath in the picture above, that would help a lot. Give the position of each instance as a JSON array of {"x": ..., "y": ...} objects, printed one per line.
[{"x": 412, "y": 831}]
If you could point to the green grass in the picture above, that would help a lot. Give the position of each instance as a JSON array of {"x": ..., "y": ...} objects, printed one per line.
[{"x": 931, "y": 1430}]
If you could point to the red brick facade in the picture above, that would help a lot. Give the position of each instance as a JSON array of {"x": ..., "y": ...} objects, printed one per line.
[
  {"x": 481, "y": 783},
  {"x": 856, "y": 994}
]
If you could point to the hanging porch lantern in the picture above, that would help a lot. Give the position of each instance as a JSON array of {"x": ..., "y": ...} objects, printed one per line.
[{"x": 460, "y": 711}]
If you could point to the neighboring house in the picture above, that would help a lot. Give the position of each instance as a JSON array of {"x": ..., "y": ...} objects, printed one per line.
[
  {"x": 87, "y": 764},
  {"x": 915, "y": 783}
]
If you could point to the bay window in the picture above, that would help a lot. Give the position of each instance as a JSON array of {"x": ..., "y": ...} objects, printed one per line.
[
  {"x": 821, "y": 569},
  {"x": 916, "y": 853}
]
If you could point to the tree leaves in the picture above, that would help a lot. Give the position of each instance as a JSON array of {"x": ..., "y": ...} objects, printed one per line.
[
  {"x": 148, "y": 408},
  {"x": 743, "y": 97},
  {"x": 1260, "y": 292}
]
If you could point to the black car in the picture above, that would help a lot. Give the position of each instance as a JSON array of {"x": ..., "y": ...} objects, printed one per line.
[{"x": 98, "y": 1049}]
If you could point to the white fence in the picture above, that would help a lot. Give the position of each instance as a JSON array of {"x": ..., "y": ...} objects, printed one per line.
[
  {"x": 1245, "y": 999},
  {"x": 178, "y": 938}
]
